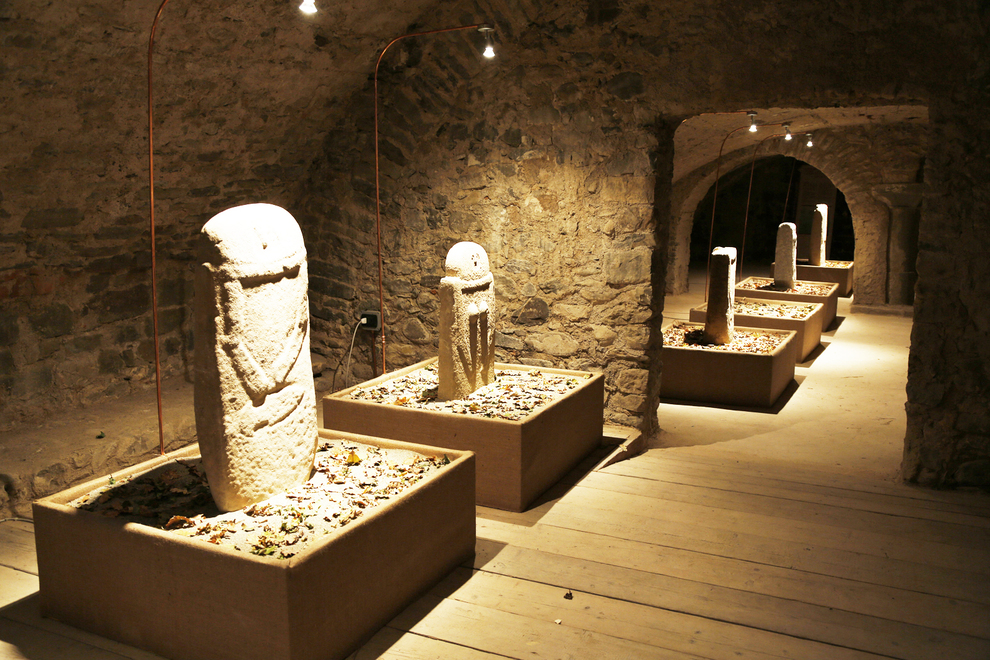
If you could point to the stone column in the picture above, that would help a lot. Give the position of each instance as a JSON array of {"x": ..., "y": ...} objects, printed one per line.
[
  {"x": 720, "y": 317},
  {"x": 819, "y": 232},
  {"x": 785, "y": 259},
  {"x": 904, "y": 201},
  {"x": 254, "y": 399},
  {"x": 467, "y": 330}
]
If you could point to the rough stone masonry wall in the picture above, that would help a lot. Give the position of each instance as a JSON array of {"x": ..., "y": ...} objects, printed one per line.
[
  {"x": 948, "y": 433},
  {"x": 240, "y": 101},
  {"x": 590, "y": 90},
  {"x": 547, "y": 157},
  {"x": 545, "y": 178}
]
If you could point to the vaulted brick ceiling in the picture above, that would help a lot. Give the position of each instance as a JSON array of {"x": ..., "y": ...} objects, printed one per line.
[{"x": 698, "y": 140}]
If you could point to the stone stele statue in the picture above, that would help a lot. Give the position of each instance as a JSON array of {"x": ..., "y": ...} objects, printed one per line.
[
  {"x": 720, "y": 314},
  {"x": 467, "y": 332},
  {"x": 254, "y": 398}
]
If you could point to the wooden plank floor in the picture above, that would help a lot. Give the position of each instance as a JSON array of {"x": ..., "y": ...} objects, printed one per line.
[
  {"x": 677, "y": 553},
  {"x": 695, "y": 553}
]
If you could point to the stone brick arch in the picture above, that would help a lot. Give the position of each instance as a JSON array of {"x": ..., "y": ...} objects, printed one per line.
[{"x": 856, "y": 159}]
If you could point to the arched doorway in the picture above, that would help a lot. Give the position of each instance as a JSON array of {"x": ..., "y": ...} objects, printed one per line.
[
  {"x": 757, "y": 199},
  {"x": 860, "y": 150}
]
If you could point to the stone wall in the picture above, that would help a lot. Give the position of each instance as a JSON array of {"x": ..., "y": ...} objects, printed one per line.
[
  {"x": 948, "y": 432},
  {"x": 557, "y": 157},
  {"x": 544, "y": 175},
  {"x": 241, "y": 98},
  {"x": 547, "y": 156}
]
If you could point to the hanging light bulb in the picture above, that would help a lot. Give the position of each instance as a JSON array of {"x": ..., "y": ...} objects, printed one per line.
[
  {"x": 787, "y": 132},
  {"x": 308, "y": 7},
  {"x": 487, "y": 30},
  {"x": 810, "y": 143},
  {"x": 752, "y": 121}
]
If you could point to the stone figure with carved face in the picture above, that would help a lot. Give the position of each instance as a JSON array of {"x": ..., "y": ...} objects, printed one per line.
[
  {"x": 254, "y": 398},
  {"x": 467, "y": 314}
]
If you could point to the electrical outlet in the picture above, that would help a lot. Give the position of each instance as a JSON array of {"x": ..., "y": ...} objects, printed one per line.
[{"x": 371, "y": 321}]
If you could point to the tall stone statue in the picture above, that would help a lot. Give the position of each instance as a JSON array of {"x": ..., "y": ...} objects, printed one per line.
[
  {"x": 785, "y": 259},
  {"x": 720, "y": 314},
  {"x": 467, "y": 330},
  {"x": 254, "y": 398},
  {"x": 819, "y": 231}
]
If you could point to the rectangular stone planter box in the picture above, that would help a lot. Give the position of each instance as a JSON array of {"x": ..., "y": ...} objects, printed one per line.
[
  {"x": 808, "y": 331},
  {"x": 516, "y": 460},
  {"x": 829, "y": 302},
  {"x": 728, "y": 377},
  {"x": 187, "y": 599},
  {"x": 841, "y": 275}
]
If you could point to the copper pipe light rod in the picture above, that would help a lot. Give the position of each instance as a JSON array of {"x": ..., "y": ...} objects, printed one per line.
[
  {"x": 718, "y": 170},
  {"x": 154, "y": 269},
  {"x": 749, "y": 192},
  {"x": 485, "y": 29},
  {"x": 307, "y": 7}
]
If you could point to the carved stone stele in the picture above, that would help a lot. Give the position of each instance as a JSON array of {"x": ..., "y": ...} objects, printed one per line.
[
  {"x": 254, "y": 398},
  {"x": 819, "y": 230},
  {"x": 720, "y": 315},
  {"x": 785, "y": 259},
  {"x": 467, "y": 330}
]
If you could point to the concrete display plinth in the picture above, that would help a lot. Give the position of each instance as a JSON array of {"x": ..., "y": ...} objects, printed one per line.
[
  {"x": 829, "y": 302},
  {"x": 187, "y": 599},
  {"x": 808, "y": 331},
  {"x": 516, "y": 460},
  {"x": 841, "y": 275},
  {"x": 728, "y": 377}
]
